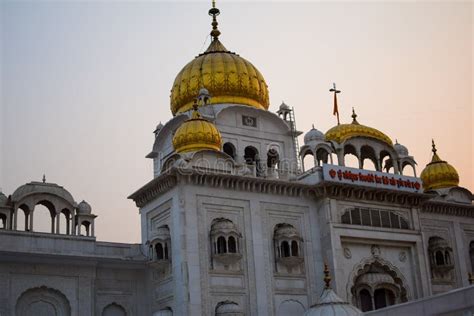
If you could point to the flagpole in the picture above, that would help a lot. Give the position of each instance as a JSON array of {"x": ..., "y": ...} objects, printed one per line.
[{"x": 335, "y": 109}]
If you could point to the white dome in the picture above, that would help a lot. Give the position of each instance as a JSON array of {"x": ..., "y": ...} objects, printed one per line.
[
  {"x": 400, "y": 149},
  {"x": 84, "y": 208},
  {"x": 3, "y": 199},
  {"x": 313, "y": 135},
  {"x": 332, "y": 305}
]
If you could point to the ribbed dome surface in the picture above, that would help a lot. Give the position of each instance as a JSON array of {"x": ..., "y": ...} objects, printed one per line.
[
  {"x": 197, "y": 134},
  {"x": 343, "y": 132},
  {"x": 439, "y": 174},
  {"x": 228, "y": 77}
]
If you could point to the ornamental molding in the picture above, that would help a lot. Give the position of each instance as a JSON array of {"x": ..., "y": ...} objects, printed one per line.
[
  {"x": 444, "y": 208},
  {"x": 339, "y": 191}
]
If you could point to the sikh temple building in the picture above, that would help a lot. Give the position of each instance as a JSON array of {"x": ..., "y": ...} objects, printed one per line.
[{"x": 235, "y": 222}]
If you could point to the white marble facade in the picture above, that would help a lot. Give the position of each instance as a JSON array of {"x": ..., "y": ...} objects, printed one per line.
[{"x": 220, "y": 239}]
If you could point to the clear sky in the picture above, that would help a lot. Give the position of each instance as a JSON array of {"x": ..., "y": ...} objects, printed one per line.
[{"x": 83, "y": 84}]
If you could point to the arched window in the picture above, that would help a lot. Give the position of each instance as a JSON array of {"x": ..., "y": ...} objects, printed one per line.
[
  {"x": 44, "y": 219},
  {"x": 159, "y": 251},
  {"x": 365, "y": 300},
  {"x": 250, "y": 155},
  {"x": 65, "y": 222},
  {"x": 86, "y": 225},
  {"x": 322, "y": 156},
  {"x": 229, "y": 149},
  {"x": 221, "y": 245},
  {"x": 308, "y": 160},
  {"x": 285, "y": 249},
  {"x": 272, "y": 158},
  {"x": 294, "y": 248},
  {"x": 3, "y": 221},
  {"x": 383, "y": 298},
  {"x": 232, "y": 245},
  {"x": 351, "y": 159},
  {"x": 22, "y": 218},
  {"x": 439, "y": 258}
]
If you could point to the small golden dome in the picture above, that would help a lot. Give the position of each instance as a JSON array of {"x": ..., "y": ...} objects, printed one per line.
[
  {"x": 438, "y": 174},
  {"x": 228, "y": 77},
  {"x": 343, "y": 132},
  {"x": 197, "y": 134}
]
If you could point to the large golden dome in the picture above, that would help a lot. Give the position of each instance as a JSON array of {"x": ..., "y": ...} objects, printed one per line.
[
  {"x": 228, "y": 77},
  {"x": 197, "y": 134},
  {"x": 343, "y": 132},
  {"x": 438, "y": 174}
]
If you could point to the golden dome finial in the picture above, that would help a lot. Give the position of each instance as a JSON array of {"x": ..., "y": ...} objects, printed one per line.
[
  {"x": 354, "y": 117},
  {"x": 327, "y": 276},
  {"x": 214, "y": 12},
  {"x": 197, "y": 133}
]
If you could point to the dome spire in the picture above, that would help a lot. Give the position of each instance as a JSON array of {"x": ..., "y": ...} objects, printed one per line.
[
  {"x": 354, "y": 117},
  {"x": 434, "y": 150},
  {"x": 214, "y": 12}
]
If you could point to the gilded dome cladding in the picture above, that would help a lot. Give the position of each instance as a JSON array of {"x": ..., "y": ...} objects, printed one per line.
[
  {"x": 197, "y": 134},
  {"x": 342, "y": 132},
  {"x": 228, "y": 77},
  {"x": 439, "y": 174}
]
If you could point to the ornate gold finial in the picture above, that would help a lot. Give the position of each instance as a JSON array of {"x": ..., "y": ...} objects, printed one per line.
[
  {"x": 435, "y": 157},
  {"x": 214, "y": 12},
  {"x": 335, "y": 110},
  {"x": 354, "y": 117},
  {"x": 471, "y": 278},
  {"x": 327, "y": 277}
]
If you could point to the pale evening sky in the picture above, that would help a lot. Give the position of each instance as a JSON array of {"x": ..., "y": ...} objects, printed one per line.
[{"x": 83, "y": 84}]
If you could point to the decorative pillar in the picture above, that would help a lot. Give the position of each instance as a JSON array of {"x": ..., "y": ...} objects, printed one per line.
[
  {"x": 52, "y": 224},
  {"x": 73, "y": 225},
  {"x": 15, "y": 214},
  {"x": 31, "y": 221},
  {"x": 92, "y": 229}
]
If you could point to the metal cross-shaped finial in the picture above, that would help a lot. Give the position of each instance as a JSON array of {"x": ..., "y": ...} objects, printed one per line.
[
  {"x": 335, "y": 109},
  {"x": 334, "y": 89}
]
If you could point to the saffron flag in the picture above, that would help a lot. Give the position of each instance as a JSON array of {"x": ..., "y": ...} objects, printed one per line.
[{"x": 335, "y": 110}]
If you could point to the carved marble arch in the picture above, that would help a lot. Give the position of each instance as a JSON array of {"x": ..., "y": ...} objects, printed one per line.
[
  {"x": 323, "y": 154},
  {"x": 42, "y": 301},
  {"x": 114, "y": 309},
  {"x": 441, "y": 260},
  {"x": 226, "y": 248},
  {"x": 374, "y": 274}
]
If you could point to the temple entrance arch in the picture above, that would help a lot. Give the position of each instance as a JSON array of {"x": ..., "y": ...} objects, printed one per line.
[
  {"x": 376, "y": 283},
  {"x": 42, "y": 301}
]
